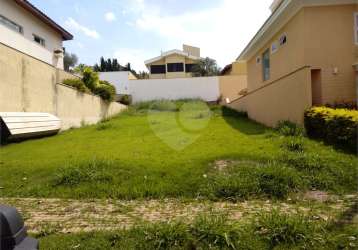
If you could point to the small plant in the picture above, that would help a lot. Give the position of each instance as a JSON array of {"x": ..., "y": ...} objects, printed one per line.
[
  {"x": 294, "y": 144},
  {"x": 288, "y": 128},
  {"x": 73, "y": 175},
  {"x": 215, "y": 232},
  {"x": 103, "y": 126},
  {"x": 125, "y": 99},
  {"x": 278, "y": 229}
]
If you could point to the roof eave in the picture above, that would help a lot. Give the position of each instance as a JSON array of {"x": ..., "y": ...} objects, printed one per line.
[
  {"x": 281, "y": 9},
  {"x": 43, "y": 17},
  {"x": 168, "y": 53}
]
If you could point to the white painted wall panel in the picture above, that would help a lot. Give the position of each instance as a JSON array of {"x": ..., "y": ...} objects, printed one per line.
[
  {"x": 119, "y": 79},
  {"x": 205, "y": 88}
]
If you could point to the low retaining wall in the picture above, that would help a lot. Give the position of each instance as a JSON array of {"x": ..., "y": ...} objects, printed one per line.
[
  {"x": 30, "y": 85},
  {"x": 283, "y": 99}
]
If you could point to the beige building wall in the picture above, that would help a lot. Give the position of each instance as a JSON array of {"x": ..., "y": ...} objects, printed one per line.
[
  {"x": 29, "y": 85},
  {"x": 239, "y": 68},
  {"x": 329, "y": 46},
  {"x": 230, "y": 86},
  {"x": 284, "y": 99},
  {"x": 286, "y": 59},
  {"x": 320, "y": 39}
]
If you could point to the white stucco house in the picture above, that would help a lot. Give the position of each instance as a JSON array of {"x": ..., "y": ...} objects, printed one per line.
[
  {"x": 120, "y": 79},
  {"x": 27, "y": 29}
]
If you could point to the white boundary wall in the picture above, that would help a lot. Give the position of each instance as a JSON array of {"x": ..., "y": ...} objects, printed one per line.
[
  {"x": 205, "y": 88},
  {"x": 120, "y": 79}
]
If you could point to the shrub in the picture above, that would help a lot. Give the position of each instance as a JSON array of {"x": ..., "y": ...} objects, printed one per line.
[
  {"x": 343, "y": 105},
  {"x": 288, "y": 128},
  {"x": 76, "y": 83},
  {"x": 105, "y": 90},
  {"x": 335, "y": 126},
  {"x": 90, "y": 78},
  {"x": 125, "y": 99}
]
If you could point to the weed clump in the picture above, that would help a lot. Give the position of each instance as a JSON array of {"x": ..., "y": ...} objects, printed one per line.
[{"x": 83, "y": 172}]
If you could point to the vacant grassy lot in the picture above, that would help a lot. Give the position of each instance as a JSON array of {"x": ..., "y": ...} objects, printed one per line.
[
  {"x": 166, "y": 175},
  {"x": 156, "y": 152}
]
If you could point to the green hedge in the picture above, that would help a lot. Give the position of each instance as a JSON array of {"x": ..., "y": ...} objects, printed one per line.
[
  {"x": 78, "y": 84},
  {"x": 335, "y": 126}
]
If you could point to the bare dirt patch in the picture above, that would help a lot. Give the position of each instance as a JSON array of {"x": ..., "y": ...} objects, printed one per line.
[
  {"x": 48, "y": 216},
  {"x": 223, "y": 165}
]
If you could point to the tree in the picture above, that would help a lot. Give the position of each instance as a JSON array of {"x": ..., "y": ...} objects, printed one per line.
[
  {"x": 69, "y": 60},
  {"x": 206, "y": 67},
  {"x": 142, "y": 75},
  {"x": 128, "y": 67},
  {"x": 108, "y": 65},
  {"x": 80, "y": 68}
]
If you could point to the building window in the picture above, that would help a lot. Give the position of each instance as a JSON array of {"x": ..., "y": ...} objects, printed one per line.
[
  {"x": 39, "y": 40},
  {"x": 157, "y": 69},
  {"x": 356, "y": 27},
  {"x": 10, "y": 24},
  {"x": 274, "y": 47},
  {"x": 175, "y": 67},
  {"x": 189, "y": 67},
  {"x": 266, "y": 65},
  {"x": 258, "y": 60},
  {"x": 283, "y": 40}
]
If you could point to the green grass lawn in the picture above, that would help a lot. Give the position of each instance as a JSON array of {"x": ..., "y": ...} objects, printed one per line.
[{"x": 159, "y": 152}]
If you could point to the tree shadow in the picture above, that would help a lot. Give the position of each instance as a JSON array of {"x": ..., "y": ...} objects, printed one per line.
[{"x": 241, "y": 122}]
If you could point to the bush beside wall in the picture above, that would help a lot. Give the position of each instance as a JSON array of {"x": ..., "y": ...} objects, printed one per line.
[
  {"x": 77, "y": 84},
  {"x": 335, "y": 126},
  {"x": 90, "y": 83}
]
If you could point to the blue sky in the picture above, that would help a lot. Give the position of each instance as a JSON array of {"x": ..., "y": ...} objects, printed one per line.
[{"x": 136, "y": 30}]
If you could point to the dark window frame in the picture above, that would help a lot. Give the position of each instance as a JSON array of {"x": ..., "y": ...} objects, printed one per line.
[
  {"x": 189, "y": 67},
  {"x": 175, "y": 67},
  {"x": 266, "y": 67},
  {"x": 11, "y": 24},
  {"x": 41, "y": 41},
  {"x": 157, "y": 69}
]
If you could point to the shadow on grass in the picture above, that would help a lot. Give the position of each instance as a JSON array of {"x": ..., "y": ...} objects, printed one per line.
[{"x": 241, "y": 122}]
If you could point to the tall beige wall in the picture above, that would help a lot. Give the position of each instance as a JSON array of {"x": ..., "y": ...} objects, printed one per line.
[
  {"x": 286, "y": 59},
  {"x": 231, "y": 85},
  {"x": 329, "y": 45},
  {"x": 285, "y": 99},
  {"x": 29, "y": 85}
]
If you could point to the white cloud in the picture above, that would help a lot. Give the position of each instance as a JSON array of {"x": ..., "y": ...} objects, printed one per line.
[
  {"x": 135, "y": 57},
  {"x": 74, "y": 25},
  {"x": 221, "y": 32},
  {"x": 110, "y": 17}
]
